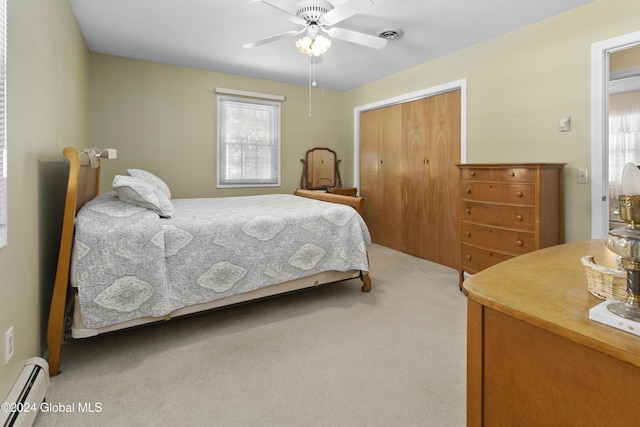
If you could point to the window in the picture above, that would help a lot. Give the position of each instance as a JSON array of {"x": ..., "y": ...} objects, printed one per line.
[
  {"x": 624, "y": 145},
  {"x": 3, "y": 123},
  {"x": 248, "y": 142}
]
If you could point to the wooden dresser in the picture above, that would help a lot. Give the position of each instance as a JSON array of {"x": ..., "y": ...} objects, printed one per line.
[
  {"x": 533, "y": 356},
  {"x": 508, "y": 210}
]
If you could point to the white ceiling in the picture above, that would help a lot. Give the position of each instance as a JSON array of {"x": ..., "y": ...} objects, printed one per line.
[{"x": 209, "y": 34}]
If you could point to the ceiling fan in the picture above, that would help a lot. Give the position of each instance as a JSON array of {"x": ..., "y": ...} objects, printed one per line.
[{"x": 319, "y": 16}]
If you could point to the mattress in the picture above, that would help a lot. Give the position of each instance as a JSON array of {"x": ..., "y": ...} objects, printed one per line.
[{"x": 129, "y": 263}]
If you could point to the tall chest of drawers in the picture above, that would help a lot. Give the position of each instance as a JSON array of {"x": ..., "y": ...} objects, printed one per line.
[{"x": 508, "y": 209}]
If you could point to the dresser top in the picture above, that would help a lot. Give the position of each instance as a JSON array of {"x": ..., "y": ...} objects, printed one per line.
[
  {"x": 548, "y": 289},
  {"x": 510, "y": 165}
]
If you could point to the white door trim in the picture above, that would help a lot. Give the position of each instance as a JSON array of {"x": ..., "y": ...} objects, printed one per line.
[
  {"x": 423, "y": 93},
  {"x": 600, "y": 128}
]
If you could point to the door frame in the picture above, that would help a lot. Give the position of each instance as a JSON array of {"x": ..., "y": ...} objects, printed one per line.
[
  {"x": 600, "y": 128},
  {"x": 411, "y": 96}
]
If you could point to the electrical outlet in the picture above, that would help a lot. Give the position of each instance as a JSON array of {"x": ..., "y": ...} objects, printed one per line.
[{"x": 8, "y": 345}]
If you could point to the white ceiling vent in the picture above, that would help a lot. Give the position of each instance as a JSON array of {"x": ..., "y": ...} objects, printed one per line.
[{"x": 390, "y": 33}]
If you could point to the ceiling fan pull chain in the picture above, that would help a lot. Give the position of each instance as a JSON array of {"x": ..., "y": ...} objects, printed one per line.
[
  {"x": 313, "y": 69},
  {"x": 310, "y": 68},
  {"x": 312, "y": 78}
]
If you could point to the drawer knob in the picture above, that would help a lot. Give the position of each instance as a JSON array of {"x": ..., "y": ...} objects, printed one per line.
[
  {"x": 425, "y": 161},
  {"x": 519, "y": 193},
  {"x": 468, "y": 257},
  {"x": 519, "y": 242},
  {"x": 468, "y": 190},
  {"x": 512, "y": 174},
  {"x": 472, "y": 173},
  {"x": 468, "y": 210},
  {"x": 468, "y": 234},
  {"x": 519, "y": 217}
]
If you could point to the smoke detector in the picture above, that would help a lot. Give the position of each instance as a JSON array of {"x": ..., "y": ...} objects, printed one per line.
[{"x": 390, "y": 33}]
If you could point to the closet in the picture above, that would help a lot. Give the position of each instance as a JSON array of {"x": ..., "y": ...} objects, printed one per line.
[{"x": 409, "y": 178}]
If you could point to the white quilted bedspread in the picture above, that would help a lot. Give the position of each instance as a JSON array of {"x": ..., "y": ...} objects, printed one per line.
[{"x": 129, "y": 263}]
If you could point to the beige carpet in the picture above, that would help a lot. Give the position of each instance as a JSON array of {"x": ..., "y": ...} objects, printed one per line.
[{"x": 329, "y": 356}]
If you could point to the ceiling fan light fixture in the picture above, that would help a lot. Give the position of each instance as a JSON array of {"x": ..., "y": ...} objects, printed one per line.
[{"x": 313, "y": 46}]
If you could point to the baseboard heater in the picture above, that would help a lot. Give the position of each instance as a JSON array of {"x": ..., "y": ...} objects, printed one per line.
[{"x": 27, "y": 394}]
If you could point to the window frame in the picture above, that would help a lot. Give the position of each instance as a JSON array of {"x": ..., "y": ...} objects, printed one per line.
[
  {"x": 4, "y": 190},
  {"x": 224, "y": 102}
]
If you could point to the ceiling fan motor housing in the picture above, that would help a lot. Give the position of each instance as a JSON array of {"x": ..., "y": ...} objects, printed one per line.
[{"x": 312, "y": 10}]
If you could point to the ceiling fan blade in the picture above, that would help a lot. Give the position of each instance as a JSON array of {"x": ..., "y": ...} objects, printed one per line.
[
  {"x": 273, "y": 38},
  {"x": 358, "y": 38},
  {"x": 286, "y": 14},
  {"x": 346, "y": 10}
]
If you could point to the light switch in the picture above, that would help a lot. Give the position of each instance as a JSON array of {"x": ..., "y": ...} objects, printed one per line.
[
  {"x": 583, "y": 176},
  {"x": 564, "y": 124}
]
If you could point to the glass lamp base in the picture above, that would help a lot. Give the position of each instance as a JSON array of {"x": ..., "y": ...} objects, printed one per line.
[{"x": 626, "y": 310}]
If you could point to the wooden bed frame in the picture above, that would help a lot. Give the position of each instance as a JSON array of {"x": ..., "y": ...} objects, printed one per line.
[{"x": 83, "y": 185}]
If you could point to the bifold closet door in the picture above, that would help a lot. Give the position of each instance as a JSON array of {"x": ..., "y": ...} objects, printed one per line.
[
  {"x": 431, "y": 142},
  {"x": 369, "y": 168},
  {"x": 380, "y": 173},
  {"x": 446, "y": 134},
  {"x": 408, "y": 175}
]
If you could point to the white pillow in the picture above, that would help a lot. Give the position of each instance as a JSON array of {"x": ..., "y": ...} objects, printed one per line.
[
  {"x": 138, "y": 192},
  {"x": 151, "y": 179}
]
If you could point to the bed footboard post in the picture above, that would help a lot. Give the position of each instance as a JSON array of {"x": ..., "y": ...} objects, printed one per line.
[{"x": 366, "y": 280}]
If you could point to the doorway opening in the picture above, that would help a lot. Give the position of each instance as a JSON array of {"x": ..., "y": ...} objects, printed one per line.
[
  {"x": 624, "y": 123},
  {"x": 600, "y": 78}
]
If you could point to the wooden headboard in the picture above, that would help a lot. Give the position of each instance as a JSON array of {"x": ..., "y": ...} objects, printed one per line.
[{"x": 82, "y": 186}]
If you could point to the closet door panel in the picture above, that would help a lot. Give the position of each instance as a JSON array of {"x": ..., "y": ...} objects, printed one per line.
[
  {"x": 415, "y": 182},
  {"x": 444, "y": 188},
  {"x": 369, "y": 169},
  {"x": 390, "y": 177},
  {"x": 431, "y": 179}
]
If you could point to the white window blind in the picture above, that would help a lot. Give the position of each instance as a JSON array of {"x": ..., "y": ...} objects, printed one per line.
[
  {"x": 3, "y": 123},
  {"x": 248, "y": 142}
]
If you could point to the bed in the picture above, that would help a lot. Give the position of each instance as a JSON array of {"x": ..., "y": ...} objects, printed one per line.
[{"x": 135, "y": 256}]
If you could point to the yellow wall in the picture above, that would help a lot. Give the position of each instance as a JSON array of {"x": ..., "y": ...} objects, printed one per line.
[
  {"x": 519, "y": 86},
  {"x": 47, "y": 108},
  {"x": 162, "y": 118}
]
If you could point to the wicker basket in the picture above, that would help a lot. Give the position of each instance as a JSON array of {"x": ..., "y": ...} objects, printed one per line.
[{"x": 604, "y": 282}]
